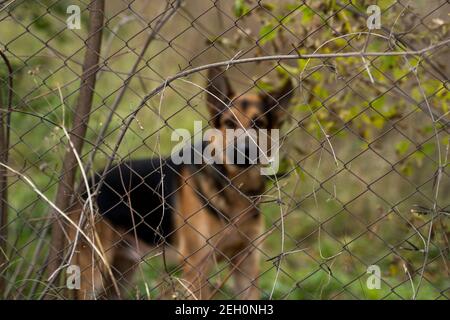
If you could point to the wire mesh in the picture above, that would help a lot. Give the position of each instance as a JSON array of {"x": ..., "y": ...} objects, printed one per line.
[{"x": 360, "y": 207}]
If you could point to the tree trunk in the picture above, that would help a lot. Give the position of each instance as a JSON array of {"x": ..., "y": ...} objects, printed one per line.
[
  {"x": 77, "y": 134},
  {"x": 4, "y": 149}
]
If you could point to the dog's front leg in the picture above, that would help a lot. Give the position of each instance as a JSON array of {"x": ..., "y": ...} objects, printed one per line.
[
  {"x": 246, "y": 271},
  {"x": 195, "y": 273}
]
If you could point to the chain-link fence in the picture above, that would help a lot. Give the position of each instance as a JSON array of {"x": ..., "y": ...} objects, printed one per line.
[{"x": 359, "y": 205}]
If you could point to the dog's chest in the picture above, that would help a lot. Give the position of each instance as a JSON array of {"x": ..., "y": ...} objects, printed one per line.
[{"x": 234, "y": 238}]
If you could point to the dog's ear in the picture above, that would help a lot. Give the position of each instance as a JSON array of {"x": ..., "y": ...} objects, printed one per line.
[
  {"x": 276, "y": 102},
  {"x": 219, "y": 92}
]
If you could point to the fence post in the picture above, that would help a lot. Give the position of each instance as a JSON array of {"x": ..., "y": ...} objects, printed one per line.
[{"x": 78, "y": 131}]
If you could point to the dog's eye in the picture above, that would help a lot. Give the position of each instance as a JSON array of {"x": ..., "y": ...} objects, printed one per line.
[
  {"x": 245, "y": 103},
  {"x": 229, "y": 124},
  {"x": 259, "y": 123}
]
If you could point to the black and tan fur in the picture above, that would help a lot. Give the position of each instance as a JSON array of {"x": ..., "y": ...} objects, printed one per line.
[{"x": 202, "y": 213}]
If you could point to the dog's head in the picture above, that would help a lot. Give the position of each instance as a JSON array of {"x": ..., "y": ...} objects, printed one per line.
[{"x": 248, "y": 116}]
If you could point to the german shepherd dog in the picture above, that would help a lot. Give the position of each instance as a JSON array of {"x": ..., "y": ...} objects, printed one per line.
[{"x": 205, "y": 213}]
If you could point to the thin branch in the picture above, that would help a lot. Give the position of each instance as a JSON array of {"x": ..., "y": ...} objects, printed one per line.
[{"x": 64, "y": 215}]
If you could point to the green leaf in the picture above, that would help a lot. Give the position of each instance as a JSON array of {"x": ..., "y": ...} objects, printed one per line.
[
  {"x": 301, "y": 62},
  {"x": 264, "y": 85},
  {"x": 286, "y": 70},
  {"x": 284, "y": 165},
  {"x": 292, "y": 6},
  {"x": 402, "y": 147},
  {"x": 340, "y": 42},
  {"x": 378, "y": 104},
  {"x": 308, "y": 14},
  {"x": 268, "y": 6},
  {"x": 378, "y": 122},
  {"x": 240, "y": 8},
  {"x": 267, "y": 33},
  {"x": 385, "y": 4},
  {"x": 320, "y": 92},
  {"x": 427, "y": 148},
  {"x": 418, "y": 157},
  {"x": 301, "y": 107},
  {"x": 300, "y": 173},
  {"x": 407, "y": 169}
]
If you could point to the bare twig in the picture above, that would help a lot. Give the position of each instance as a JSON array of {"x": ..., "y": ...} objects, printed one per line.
[{"x": 58, "y": 210}]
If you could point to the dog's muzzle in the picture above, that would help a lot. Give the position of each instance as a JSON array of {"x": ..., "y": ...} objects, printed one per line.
[{"x": 245, "y": 152}]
